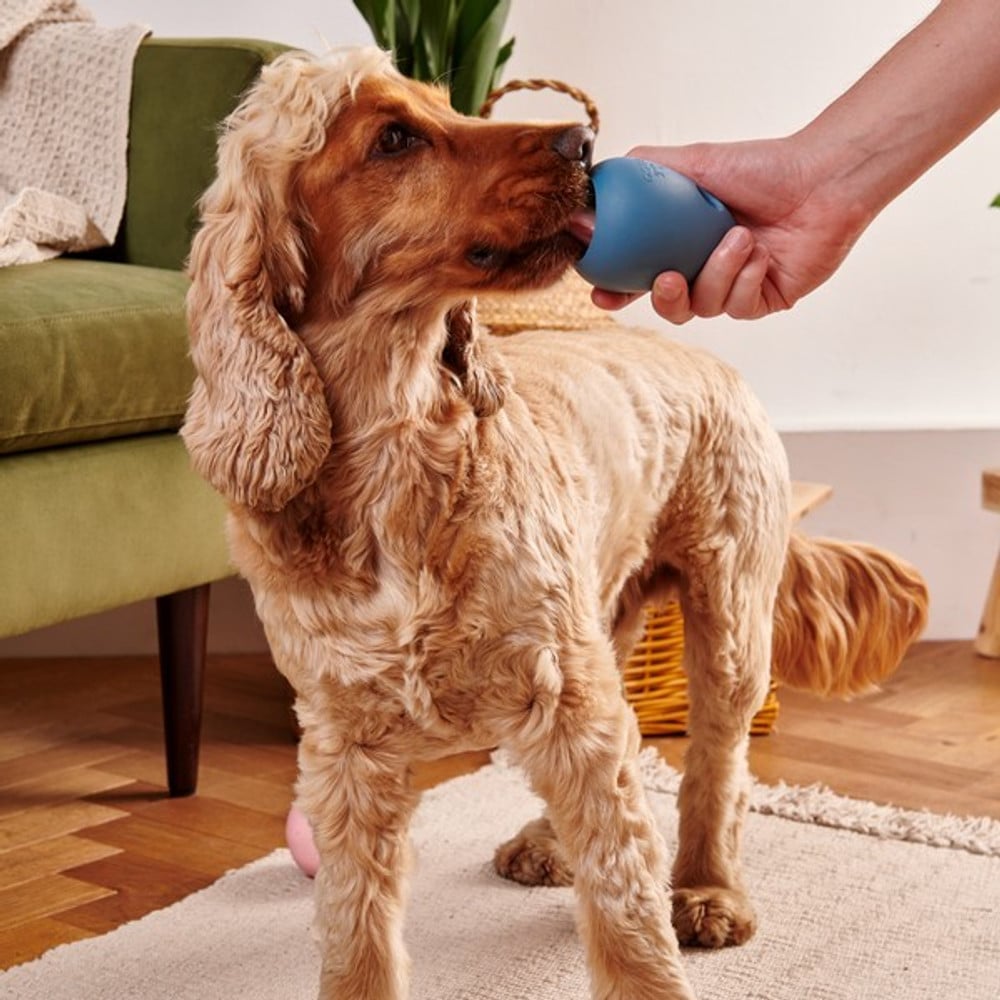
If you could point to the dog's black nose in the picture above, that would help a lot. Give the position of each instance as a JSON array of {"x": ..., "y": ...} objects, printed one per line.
[{"x": 575, "y": 144}]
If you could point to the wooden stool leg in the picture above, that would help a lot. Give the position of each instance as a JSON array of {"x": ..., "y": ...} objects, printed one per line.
[
  {"x": 988, "y": 641},
  {"x": 182, "y": 624}
]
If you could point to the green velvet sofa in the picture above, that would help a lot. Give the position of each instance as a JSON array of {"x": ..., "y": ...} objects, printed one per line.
[{"x": 98, "y": 504}]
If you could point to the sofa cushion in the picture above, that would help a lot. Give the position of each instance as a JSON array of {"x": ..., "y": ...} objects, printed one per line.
[
  {"x": 90, "y": 350},
  {"x": 182, "y": 89}
]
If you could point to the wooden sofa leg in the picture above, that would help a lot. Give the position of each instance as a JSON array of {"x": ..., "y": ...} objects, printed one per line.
[{"x": 182, "y": 624}]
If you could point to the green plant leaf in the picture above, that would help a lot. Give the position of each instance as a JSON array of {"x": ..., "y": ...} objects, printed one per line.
[
  {"x": 473, "y": 14},
  {"x": 503, "y": 55},
  {"x": 477, "y": 44},
  {"x": 995, "y": 203},
  {"x": 451, "y": 41},
  {"x": 405, "y": 51},
  {"x": 381, "y": 18},
  {"x": 410, "y": 11},
  {"x": 438, "y": 21}
]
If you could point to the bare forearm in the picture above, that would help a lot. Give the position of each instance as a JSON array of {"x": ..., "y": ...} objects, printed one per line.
[{"x": 920, "y": 100}]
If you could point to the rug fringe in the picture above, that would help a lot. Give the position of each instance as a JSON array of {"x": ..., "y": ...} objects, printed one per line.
[{"x": 818, "y": 804}]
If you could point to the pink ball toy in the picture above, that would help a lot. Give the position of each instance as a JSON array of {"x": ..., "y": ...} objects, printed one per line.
[{"x": 299, "y": 837}]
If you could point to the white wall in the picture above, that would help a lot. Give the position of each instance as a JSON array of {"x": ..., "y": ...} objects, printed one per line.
[
  {"x": 307, "y": 24},
  {"x": 905, "y": 338}
]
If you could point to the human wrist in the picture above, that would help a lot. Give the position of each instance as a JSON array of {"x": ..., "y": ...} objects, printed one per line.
[{"x": 838, "y": 178}]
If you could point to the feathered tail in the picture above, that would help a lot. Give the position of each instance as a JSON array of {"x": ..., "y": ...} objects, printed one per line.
[{"x": 845, "y": 615}]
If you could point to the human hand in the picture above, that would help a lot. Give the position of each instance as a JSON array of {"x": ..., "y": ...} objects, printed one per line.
[{"x": 792, "y": 234}]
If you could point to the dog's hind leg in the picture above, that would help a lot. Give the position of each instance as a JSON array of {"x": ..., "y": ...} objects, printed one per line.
[
  {"x": 358, "y": 798},
  {"x": 728, "y": 604},
  {"x": 583, "y": 763}
]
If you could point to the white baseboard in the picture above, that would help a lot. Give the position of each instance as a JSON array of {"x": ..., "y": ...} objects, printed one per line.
[{"x": 914, "y": 492}]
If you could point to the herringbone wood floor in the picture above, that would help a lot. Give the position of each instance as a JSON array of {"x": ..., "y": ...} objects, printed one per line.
[{"x": 89, "y": 840}]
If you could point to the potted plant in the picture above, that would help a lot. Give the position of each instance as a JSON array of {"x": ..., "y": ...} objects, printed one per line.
[{"x": 457, "y": 42}]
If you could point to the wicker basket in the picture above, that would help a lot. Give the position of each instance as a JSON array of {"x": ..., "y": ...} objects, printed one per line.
[
  {"x": 564, "y": 306},
  {"x": 655, "y": 684}
]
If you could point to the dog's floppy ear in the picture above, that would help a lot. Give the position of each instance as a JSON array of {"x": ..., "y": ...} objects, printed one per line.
[
  {"x": 483, "y": 376},
  {"x": 258, "y": 424}
]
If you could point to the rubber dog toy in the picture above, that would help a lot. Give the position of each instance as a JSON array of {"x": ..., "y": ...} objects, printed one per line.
[{"x": 648, "y": 219}]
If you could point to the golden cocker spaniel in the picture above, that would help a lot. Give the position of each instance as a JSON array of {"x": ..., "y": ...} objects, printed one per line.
[{"x": 451, "y": 537}]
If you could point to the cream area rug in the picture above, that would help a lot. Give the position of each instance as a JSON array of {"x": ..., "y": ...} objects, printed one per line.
[{"x": 856, "y": 902}]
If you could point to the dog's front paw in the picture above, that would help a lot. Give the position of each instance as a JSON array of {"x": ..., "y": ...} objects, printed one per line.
[
  {"x": 710, "y": 917},
  {"x": 534, "y": 857}
]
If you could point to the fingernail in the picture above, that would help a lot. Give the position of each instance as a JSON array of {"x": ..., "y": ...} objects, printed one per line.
[
  {"x": 667, "y": 289},
  {"x": 738, "y": 239}
]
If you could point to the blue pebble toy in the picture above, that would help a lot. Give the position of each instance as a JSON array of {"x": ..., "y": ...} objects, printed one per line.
[{"x": 649, "y": 219}]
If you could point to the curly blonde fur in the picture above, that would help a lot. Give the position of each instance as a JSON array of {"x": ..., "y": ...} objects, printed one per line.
[{"x": 450, "y": 538}]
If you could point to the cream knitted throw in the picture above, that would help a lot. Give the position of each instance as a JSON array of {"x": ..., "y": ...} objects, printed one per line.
[{"x": 65, "y": 85}]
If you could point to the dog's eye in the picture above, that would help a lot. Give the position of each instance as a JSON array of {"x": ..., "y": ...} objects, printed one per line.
[
  {"x": 395, "y": 139},
  {"x": 483, "y": 257}
]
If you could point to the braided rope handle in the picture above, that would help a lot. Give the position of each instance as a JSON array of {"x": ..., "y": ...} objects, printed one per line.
[{"x": 564, "y": 88}]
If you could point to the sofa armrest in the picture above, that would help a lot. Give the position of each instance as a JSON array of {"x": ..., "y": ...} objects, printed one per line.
[{"x": 182, "y": 89}]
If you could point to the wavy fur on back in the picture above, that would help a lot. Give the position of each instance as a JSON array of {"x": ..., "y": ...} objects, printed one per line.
[{"x": 451, "y": 537}]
